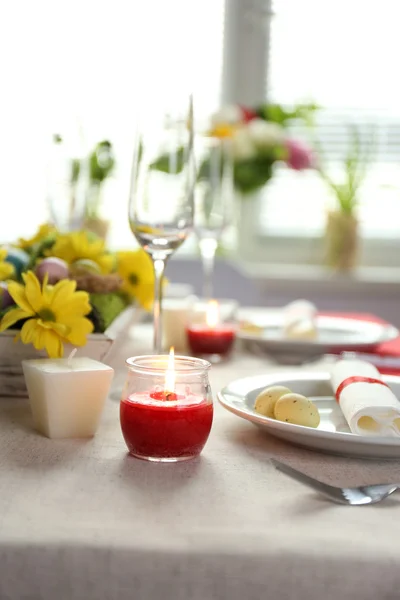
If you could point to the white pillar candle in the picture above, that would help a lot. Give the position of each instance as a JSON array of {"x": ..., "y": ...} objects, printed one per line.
[
  {"x": 67, "y": 395},
  {"x": 176, "y": 313}
]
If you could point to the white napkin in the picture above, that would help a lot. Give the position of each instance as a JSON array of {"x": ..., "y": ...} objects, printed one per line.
[
  {"x": 369, "y": 408},
  {"x": 299, "y": 320}
]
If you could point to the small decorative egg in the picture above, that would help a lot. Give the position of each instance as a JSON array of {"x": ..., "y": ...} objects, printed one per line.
[
  {"x": 297, "y": 409},
  {"x": 84, "y": 265},
  {"x": 17, "y": 257},
  {"x": 5, "y": 297},
  {"x": 55, "y": 268},
  {"x": 266, "y": 400}
]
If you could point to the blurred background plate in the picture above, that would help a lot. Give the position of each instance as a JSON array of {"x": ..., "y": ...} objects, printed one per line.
[
  {"x": 332, "y": 435},
  {"x": 334, "y": 335}
]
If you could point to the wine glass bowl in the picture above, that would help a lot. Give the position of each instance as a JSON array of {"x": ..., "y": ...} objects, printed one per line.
[{"x": 161, "y": 203}]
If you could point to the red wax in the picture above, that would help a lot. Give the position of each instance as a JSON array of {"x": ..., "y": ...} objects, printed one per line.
[
  {"x": 205, "y": 340},
  {"x": 164, "y": 429}
]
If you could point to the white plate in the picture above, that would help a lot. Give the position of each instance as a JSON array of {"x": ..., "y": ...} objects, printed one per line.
[
  {"x": 335, "y": 334},
  {"x": 332, "y": 435}
]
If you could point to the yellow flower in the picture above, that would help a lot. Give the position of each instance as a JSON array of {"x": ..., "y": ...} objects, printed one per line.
[
  {"x": 223, "y": 131},
  {"x": 42, "y": 233},
  {"x": 136, "y": 270},
  {"x": 78, "y": 245},
  {"x": 6, "y": 269},
  {"x": 55, "y": 314}
]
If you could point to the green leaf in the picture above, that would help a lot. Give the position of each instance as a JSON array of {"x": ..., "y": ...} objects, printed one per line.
[
  {"x": 101, "y": 162},
  {"x": 251, "y": 175},
  {"x": 355, "y": 166},
  {"x": 75, "y": 170},
  {"x": 172, "y": 163}
]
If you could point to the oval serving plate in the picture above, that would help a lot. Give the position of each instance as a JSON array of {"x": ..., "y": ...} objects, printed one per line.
[
  {"x": 332, "y": 435},
  {"x": 335, "y": 334}
]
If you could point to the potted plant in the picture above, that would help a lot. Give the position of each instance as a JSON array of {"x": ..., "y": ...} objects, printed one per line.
[
  {"x": 342, "y": 225},
  {"x": 65, "y": 290}
]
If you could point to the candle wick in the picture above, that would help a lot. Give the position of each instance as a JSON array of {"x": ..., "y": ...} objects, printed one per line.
[{"x": 71, "y": 356}]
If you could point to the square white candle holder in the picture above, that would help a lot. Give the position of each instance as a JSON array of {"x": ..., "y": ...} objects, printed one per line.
[{"x": 67, "y": 396}]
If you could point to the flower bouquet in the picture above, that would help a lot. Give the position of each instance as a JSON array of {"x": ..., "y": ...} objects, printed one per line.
[
  {"x": 259, "y": 139},
  {"x": 64, "y": 290}
]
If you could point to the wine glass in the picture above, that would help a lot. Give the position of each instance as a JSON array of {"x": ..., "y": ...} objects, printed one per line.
[
  {"x": 161, "y": 203},
  {"x": 214, "y": 201}
]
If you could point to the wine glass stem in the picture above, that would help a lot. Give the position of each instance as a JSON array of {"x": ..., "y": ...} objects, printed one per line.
[
  {"x": 159, "y": 269},
  {"x": 208, "y": 247}
]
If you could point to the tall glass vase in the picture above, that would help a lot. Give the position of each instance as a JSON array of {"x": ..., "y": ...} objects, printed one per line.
[{"x": 66, "y": 185}]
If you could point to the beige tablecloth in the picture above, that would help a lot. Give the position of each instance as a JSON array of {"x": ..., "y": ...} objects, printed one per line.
[{"x": 81, "y": 520}]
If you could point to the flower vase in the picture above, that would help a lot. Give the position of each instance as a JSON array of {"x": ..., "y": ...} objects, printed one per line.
[
  {"x": 341, "y": 241},
  {"x": 93, "y": 221},
  {"x": 245, "y": 205}
]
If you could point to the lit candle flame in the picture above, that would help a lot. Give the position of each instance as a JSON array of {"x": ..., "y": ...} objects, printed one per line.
[
  {"x": 169, "y": 386},
  {"x": 212, "y": 315}
]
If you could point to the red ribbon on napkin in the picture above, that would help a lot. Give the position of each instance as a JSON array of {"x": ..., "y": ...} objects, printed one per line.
[
  {"x": 385, "y": 350},
  {"x": 357, "y": 379}
]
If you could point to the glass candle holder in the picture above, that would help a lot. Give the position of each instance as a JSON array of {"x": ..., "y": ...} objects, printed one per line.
[
  {"x": 166, "y": 414},
  {"x": 209, "y": 335}
]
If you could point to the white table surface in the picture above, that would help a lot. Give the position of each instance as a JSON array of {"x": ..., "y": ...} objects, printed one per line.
[{"x": 82, "y": 520}]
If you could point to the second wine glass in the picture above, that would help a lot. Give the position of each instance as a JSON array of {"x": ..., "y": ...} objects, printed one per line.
[
  {"x": 161, "y": 203},
  {"x": 214, "y": 201}
]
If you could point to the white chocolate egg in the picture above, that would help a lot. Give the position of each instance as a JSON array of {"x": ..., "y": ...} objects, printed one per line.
[
  {"x": 296, "y": 409},
  {"x": 299, "y": 320},
  {"x": 301, "y": 330},
  {"x": 266, "y": 400}
]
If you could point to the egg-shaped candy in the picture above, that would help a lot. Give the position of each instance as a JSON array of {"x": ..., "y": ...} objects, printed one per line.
[
  {"x": 18, "y": 258},
  {"x": 266, "y": 400},
  {"x": 84, "y": 266},
  {"x": 55, "y": 268},
  {"x": 6, "y": 299},
  {"x": 296, "y": 409}
]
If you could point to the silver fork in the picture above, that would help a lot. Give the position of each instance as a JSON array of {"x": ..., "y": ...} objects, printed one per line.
[{"x": 357, "y": 496}]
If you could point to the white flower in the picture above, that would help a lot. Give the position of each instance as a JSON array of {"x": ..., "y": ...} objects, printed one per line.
[
  {"x": 243, "y": 147},
  {"x": 264, "y": 134},
  {"x": 228, "y": 115}
]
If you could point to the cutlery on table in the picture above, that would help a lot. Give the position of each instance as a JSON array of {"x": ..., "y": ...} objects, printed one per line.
[{"x": 355, "y": 496}]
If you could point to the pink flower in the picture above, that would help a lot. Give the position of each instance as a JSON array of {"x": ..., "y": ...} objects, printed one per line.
[{"x": 299, "y": 155}]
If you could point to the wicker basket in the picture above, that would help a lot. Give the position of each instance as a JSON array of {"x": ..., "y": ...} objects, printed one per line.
[{"x": 12, "y": 353}]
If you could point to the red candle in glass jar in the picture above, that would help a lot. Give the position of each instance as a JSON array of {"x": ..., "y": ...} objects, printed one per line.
[
  {"x": 211, "y": 337},
  {"x": 166, "y": 426},
  {"x": 165, "y": 429}
]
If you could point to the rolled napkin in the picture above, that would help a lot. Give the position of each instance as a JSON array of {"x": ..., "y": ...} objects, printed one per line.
[
  {"x": 367, "y": 402},
  {"x": 299, "y": 320}
]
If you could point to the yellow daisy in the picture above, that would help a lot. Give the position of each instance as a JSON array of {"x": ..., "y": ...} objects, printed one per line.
[
  {"x": 42, "y": 233},
  {"x": 78, "y": 245},
  {"x": 6, "y": 268},
  {"x": 223, "y": 131},
  {"x": 55, "y": 315},
  {"x": 136, "y": 269}
]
